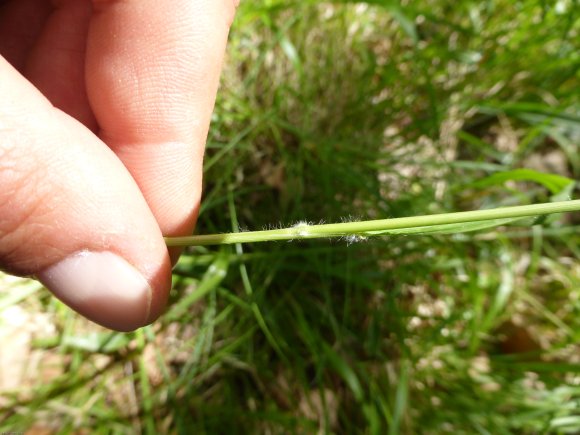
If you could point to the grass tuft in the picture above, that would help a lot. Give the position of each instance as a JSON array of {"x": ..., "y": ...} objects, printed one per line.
[{"x": 373, "y": 110}]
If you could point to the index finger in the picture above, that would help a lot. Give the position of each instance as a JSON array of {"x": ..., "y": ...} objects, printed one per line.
[{"x": 152, "y": 74}]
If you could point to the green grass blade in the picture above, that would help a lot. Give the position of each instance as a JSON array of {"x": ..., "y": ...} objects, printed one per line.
[
  {"x": 210, "y": 281},
  {"x": 145, "y": 386},
  {"x": 22, "y": 290},
  {"x": 401, "y": 399},
  {"x": 554, "y": 183},
  {"x": 407, "y": 225},
  {"x": 346, "y": 372},
  {"x": 445, "y": 228}
]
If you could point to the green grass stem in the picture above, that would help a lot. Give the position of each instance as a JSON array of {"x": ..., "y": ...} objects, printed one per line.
[{"x": 304, "y": 230}]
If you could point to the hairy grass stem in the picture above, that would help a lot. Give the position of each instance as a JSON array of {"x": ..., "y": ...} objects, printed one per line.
[{"x": 431, "y": 224}]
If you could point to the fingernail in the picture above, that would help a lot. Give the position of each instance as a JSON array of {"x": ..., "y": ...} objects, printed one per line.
[{"x": 103, "y": 287}]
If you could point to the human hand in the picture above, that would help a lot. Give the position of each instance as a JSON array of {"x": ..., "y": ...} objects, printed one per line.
[{"x": 104, "y": 112}]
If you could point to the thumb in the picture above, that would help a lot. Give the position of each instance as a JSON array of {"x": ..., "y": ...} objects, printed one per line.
[{"x": 71, "y": 215}]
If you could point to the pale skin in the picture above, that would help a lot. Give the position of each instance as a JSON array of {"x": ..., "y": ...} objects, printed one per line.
[{"x": 104, "y": 112}]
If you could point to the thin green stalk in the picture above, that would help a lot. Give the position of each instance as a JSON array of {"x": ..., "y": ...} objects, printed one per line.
[{"x": 431, "y": 224}]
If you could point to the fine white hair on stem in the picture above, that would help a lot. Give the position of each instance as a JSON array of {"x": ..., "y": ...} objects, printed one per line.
[
  {"x": 350, "y": 218},
  {"x": 301, "y": 229},
  {"x": 354, "y": 238},
  {"x": 271, "y": 227}
]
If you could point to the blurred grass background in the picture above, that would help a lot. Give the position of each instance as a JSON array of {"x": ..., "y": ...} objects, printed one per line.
[{"x": 333, "y": 111}]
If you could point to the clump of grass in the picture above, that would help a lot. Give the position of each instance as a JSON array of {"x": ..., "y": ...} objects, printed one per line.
[{"x": 389, "y": 111}]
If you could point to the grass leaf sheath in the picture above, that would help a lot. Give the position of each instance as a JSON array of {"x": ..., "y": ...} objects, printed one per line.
[{"x": 445, "y": 223}]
